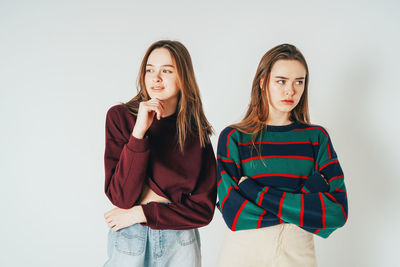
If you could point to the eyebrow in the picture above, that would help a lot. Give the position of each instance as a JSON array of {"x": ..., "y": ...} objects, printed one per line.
[
  {"x": 285, "y": 78},
  {"x": 167, "y": 65}
]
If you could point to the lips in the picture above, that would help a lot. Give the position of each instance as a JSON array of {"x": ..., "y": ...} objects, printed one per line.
[
  {"x": 157, "y": 87},
  {"x": 288, "y": 101}
]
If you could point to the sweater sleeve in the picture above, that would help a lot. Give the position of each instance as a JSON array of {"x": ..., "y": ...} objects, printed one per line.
[
  {"x": 195, "y": 209},
  {"x": 320, "y": 207},
  {"x": 238, "y": 212},
  {"x": 125, "y": 162}
]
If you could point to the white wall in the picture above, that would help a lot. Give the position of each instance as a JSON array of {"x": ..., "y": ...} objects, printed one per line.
[{"x": 64, "y": 63}]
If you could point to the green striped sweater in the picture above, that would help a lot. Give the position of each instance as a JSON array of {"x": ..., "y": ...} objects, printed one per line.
[{"x": 297, "y": 180}]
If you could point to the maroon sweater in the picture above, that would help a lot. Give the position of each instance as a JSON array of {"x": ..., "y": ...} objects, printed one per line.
[{"x": 188, "y": 179}]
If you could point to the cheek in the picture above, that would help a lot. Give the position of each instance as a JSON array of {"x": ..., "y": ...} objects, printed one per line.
[
  {"x": 300, "y": 92},
  {"x": 173, "y": 82},
  {"x": 275, "y": 92},
  {"x": 147, "y": 79}
]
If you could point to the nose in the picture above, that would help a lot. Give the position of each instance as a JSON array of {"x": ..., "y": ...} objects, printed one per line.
[
  {"x": 157, "y": 77},
  {"x": 289, "y": 90}
]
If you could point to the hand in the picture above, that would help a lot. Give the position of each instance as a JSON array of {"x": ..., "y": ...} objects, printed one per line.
[
  {"x": 146, "y": 112},
  {"x": 120, "y": 218},
  {"x": 326, "y": 180},
  {"x": 242, "y": 179}
]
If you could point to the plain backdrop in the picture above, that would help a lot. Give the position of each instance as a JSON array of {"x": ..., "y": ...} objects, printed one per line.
[{"x": 64, "y": 63}]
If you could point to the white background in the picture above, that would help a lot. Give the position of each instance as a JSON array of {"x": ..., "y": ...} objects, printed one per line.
[{"x": 64, "y": 63}]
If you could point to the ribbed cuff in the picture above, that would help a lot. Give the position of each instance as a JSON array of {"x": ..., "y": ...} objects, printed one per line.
[
  {"x": 316, "y": 183},
  {"x": 138, "y": 145}
]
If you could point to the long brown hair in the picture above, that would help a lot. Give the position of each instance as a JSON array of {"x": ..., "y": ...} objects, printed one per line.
[
  {"x": 257, "y": 114},
  {"x": 254, "y": 122},
  {"x": 190, "y": 118}
]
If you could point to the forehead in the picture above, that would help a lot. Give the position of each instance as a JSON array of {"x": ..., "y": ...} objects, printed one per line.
[
  {"x": 288, "y": 68},
  {"x": 160, "y": 56}
]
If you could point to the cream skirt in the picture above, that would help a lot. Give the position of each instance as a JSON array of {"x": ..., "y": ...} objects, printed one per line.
[{"x": 275, "y": 246}]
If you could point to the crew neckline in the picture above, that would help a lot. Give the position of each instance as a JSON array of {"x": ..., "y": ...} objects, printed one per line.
[
  {"x": 282, "y": 128},
  {"x": 172, "y": 116}
]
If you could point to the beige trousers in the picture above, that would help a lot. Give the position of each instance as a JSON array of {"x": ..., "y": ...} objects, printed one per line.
[{"x": 283, "y": 245}]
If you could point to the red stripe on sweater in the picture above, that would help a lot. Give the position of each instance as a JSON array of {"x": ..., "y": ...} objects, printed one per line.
[
  {"x": 260, "y": 219},
  {"x": 262, "y": 195},
  {"x": 277, "y": 143},
  {"x": 316, "y": 232},
  {"x": 277, "y": 156},
  {"x": 280, "y": 175},
  {"x": 340, "y": 190},
  {"x": 228, "y": 160},
  {"x": 323, "y": 210},
  {"x": 327, "y": 164},
  {"x": 301, "y": 210},
  {"x": 327, "y": 137},
  {"x": 227, "y": 142},
  {"x": 220, "y": 180},
  {"x": 304, "y": 191},
  {"x": 227, "y": 195},
  {"x": 280, "y": 207},
  {"x": 336, "y": 177},
  {"x": 237, "y": 215},
  {"x": 334, "y": 200},
  {"x": 234, "y": 178}
]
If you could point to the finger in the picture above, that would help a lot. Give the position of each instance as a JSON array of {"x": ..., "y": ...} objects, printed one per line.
[
  {"x": 159, "y": 101},
  {"x": 158, "y": 111},
  {"x": 110, "y": 212},
  {"x": 156, "y": 104}
]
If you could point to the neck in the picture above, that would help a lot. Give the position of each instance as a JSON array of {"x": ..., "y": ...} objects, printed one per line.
[
  {"x": 170, "y": 106},
  {"x": 278, "y": 119}
]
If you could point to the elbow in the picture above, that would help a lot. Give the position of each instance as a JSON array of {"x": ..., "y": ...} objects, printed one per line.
[
  {"x": 119, "y": 201},
  {"x": 208, "y": 216}
]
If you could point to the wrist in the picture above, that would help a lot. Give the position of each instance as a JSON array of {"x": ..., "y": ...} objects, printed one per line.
[
  {"x": 242, "y": 179},
  {"x": 139, "y": 214},
  {"x": 138, "y": 133}
]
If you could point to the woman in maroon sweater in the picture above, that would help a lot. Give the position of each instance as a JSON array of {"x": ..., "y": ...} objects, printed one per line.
[{"x": 160, "y": 166}]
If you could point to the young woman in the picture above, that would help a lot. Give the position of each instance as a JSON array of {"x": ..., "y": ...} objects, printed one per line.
[
  {"x": 279, "y": 179},
  {"x": 160, "y": 166}
]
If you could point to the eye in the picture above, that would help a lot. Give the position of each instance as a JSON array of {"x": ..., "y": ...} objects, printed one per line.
[
  {"x": 149, "y": 70},
  {"x": 167, "y": 71},
  {"x": 281, "y": 81},
  {"x": 299, "y": 82}
]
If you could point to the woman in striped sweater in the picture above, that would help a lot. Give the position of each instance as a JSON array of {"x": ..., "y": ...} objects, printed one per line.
[{"x": 279, "y": 179}]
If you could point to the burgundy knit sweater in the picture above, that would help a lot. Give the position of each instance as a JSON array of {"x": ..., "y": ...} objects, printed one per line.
[{"x": 188, "y": 179}]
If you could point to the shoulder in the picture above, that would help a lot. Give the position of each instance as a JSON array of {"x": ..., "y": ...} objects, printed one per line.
[
  {"x": 228, "y": 133},
  {"x": 116, "y": 111},
  {"x": 313, "y": 129},
  {"x": 119, "y": 113},
  {"x": 119, "y": 121},
  {"x": 228, "y": 140}
]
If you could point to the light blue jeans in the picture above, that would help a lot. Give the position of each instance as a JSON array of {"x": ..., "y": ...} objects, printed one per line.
[{"x": 139, "y": 245}]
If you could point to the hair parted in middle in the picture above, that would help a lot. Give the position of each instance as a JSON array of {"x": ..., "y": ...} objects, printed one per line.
[
  {"x": 190, "y": 114},
  {"x": 256, "y": 116}
]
